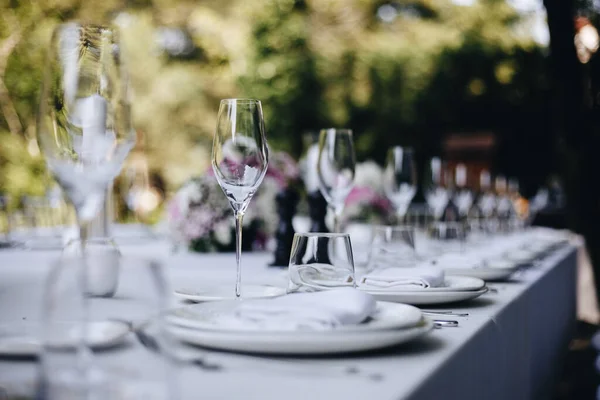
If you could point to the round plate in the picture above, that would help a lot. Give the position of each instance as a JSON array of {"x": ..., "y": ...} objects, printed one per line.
[
  {"x": 226, "y": 292},
  {"x": 304, "y": 342},
  {"x": 484, "y": 273},
  {"x": 19, "y": 340},
  {"x": 206, "y": 316},
  {"x": 451, "y": 284},
  {"x": 427, "y": 297}
]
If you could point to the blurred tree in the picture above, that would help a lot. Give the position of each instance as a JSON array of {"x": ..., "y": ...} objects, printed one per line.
[
  {"x": 282, "y": 73},
  {"x": 397, "y": 72}
]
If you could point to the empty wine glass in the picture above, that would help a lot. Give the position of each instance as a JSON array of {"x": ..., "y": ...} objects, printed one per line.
[
  {"x": 435, "y": 193},
  {"x": 400, "y": 179},
  {"x": 487, "y": 199},
  {"x": 463, "y": 198},
  {"x": 335, "y": 168},
  {"x": 239, "y": 160},
  {"x": 84, "y": 126}
]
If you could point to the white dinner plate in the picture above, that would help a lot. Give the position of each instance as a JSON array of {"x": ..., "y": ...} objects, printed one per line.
[
  {"x": 304, "y": 342},
  {"x": 207, "y": 316},
  {"x": 452, "y": 283},
  {"x": 427, "y": 297},
  {"x": 20, "y": 340},
  {"x": 488, "y": 273},
  {"x": 226, "y": 292}
]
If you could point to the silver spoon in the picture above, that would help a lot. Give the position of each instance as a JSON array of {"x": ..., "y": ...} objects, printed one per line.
[
  {"x": 441, "y": 312},
  {"x": 441, "y": 323}
]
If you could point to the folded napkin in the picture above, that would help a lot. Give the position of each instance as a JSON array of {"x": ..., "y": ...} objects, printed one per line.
[
  {"x": 421, "y": 275},
  {"x": 303, "y": 311}
]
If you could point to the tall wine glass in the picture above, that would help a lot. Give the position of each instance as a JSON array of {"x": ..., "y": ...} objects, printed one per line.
[
  {"x": 239, "y": 160},
  {"x": 435, "y": 193},
  {"x": 463, "y": 198},
  {"x": 400, "y": 179},
  {"x": 84, "y": 121},
  {"x": 487, "y": 198},
  {"x": 335, "y": 167}
]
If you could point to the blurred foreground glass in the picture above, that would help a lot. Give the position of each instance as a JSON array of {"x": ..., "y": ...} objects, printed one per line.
[
  {"x": 436, "y": 194},
  {"x": 335, "y": 168},
  {"x": 84, "y": 121},
  {"x": 239, "y": 160},
  {"x": 320, "y": 261},
  {"x": 392, "y": 246},
  {"x": 400, "y": 179},
  {"x": 83, "y": 336}
]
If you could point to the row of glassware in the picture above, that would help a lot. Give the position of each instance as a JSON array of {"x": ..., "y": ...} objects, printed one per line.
[{"x": 448, "y": 193}]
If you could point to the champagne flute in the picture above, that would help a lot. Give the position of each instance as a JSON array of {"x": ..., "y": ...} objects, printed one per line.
[
  {"x": 84, "y": 125},
  {"x": 84, "y": 131},
  {"x": 400, "y": 179},
  {"x": 335, "y": 168},
  {"x": 435, "y": 193},
  {"x": 239, "y": 161},
  {"x": 463, "y": 198},
  {"x": 487, "y": 200}
]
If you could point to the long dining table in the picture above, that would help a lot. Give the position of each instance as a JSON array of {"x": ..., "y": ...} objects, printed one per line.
[{"x": 510, "y": 345}]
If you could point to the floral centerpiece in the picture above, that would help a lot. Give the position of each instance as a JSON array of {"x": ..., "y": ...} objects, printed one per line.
[
  {"x": 366, "y": 203},
  {"x": 199, "y": 215}
]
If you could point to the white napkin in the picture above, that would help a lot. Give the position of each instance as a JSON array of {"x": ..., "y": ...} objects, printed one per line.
[
  {"x": 303, "y": 311},
  {"x": 395, "y": 278}
]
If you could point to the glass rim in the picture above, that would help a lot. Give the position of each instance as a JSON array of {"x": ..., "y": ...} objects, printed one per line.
[
  {"x": 394, "y": 227},
  {"x": 336, "y": 130},
  {"x": 322, "y": 234},
  {"x": 405, "y": 148},
  {"x": 240, "y": 100}
]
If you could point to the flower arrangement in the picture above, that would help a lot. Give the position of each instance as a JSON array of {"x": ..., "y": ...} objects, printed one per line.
[
  {"x": 366, "y": 203},
  {"x": 200, "y": 217}
]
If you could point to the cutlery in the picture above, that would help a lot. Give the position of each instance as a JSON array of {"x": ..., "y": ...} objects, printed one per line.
[
  {"x": 441, "y": 323},
  {"x": 441, "y": 312}
]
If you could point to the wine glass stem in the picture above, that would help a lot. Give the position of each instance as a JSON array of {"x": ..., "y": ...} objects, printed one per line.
[
  {"x": 239, "y": 217},
  {"x": 84, "y": 355},
  {"x": 337, "y": 220}
]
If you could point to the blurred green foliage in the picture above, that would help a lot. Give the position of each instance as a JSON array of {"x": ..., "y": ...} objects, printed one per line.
[{"x": 434, "y": 68}]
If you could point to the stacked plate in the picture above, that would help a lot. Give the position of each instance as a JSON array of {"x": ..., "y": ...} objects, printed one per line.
[
  {"x": 202, "y": 325},
  {"x": 455, "y": 288}
]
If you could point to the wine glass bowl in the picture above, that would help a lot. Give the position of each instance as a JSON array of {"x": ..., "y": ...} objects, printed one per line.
[
  {"x": 463, "y": 197},
  {"x": 336, "y": 168},
  {"x": 84, "y": 122},
  {"x": 436, "y": 194},
  {"x": 239, "y": 159},
  {"x": 400, "y": 179}
]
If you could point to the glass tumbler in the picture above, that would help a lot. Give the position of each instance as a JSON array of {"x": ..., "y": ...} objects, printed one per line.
[{"x": 320, "y": 261}]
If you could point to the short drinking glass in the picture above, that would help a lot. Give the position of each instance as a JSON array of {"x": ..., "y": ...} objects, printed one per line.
[
  {"x": 320, "y": 261},
  {"x": 392, "y": 246}
]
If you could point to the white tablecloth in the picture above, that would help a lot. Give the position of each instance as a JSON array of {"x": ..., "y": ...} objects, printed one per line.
[{"x": 509, "y": 347}]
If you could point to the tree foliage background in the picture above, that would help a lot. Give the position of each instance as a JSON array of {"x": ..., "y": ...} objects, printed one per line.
[{"x": 432, "y": 68}]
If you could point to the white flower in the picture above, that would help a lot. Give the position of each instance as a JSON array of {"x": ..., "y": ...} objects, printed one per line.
[
  {"x": 222, "y": 232},
  {"x": 369, "y": 174}
]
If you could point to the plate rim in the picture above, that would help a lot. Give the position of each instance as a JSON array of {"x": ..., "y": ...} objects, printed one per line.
[
  {"x": 392, "y": 304},
  {"x": 208, "y": 298},
  {"x": 391, "y": 336}
]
